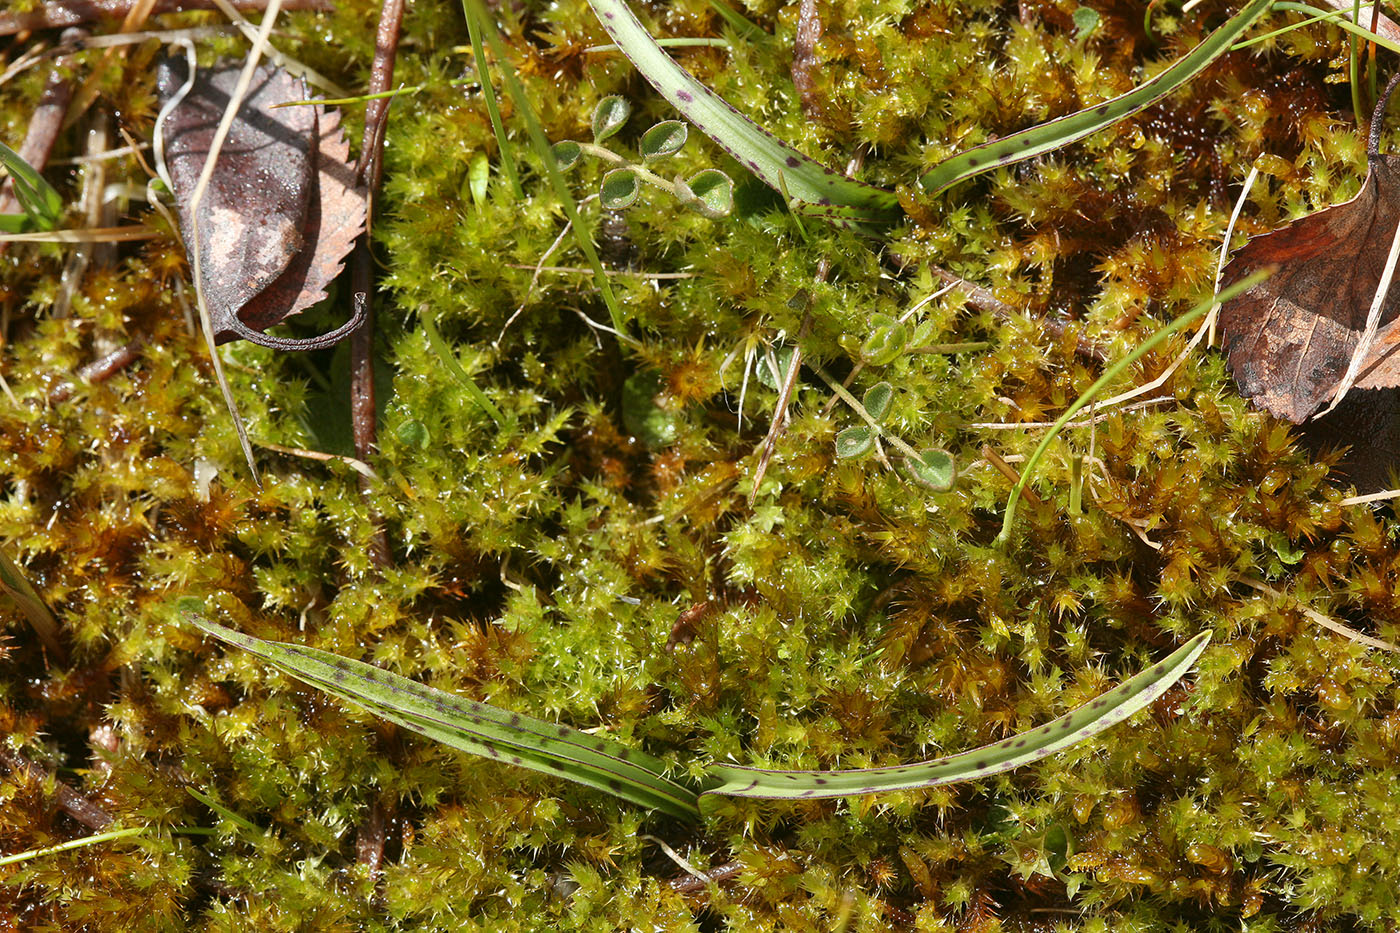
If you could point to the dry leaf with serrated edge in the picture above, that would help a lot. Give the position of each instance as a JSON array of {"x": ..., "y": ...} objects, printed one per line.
[
  {"x": 1290, "y": 339},
  {"x": 281, "y": 210}
]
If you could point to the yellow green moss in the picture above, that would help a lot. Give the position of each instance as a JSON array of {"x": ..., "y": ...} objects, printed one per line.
[{"x": 853, "y": 618}]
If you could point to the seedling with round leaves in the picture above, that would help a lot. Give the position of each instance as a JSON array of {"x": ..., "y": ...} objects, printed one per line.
[{"x": 709, "y": 191}]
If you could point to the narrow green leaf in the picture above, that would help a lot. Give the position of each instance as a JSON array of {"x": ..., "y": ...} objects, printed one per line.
[
  {"x": 14, "y": 223},
  {"x": 877, "y": 400},
  {"x": 855, "y": 441},
  {"x": 474, "y": 727},
  {"x": 475, "y": 11},
  {"x": 664, "y": 139},
  {"x": 825, "y": 192},
  {"x": 475, "y": 26},
  {"x": 740, "y": 23},
  {"x": 609, "y": 117},
  {"x": 619, "y": 189},
  {"x": 1110, "y": 374},
  {"x": 40, "y": 202},
  {"x": 14, "y": 584},
  {"x": 1090, "y": 719},
  {"x": 449, "y": 360},
  {"x": 1056, "y": 133},
  {"x": 934, "y": 469}
]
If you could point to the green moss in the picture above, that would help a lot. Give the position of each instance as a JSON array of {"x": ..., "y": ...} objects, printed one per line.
[{"x": 850, "y": 617}]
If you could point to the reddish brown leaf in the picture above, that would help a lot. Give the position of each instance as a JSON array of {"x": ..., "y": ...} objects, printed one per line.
[
  {"x": 1290, "y": 339},
  {"x": 281, "y": 210}
]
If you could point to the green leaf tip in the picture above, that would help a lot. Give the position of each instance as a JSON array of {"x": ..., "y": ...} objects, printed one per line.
[
  {"x": 1093, "y": 717},
  {"x": 478, "y": 728},
  {"x": 1060, "y": 132},
  {"x": 41, "y": 204},
  {"x": 815, "y": 188}
]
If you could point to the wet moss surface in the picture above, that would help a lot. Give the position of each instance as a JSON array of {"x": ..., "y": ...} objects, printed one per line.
[{"x": 843, "y": 617}]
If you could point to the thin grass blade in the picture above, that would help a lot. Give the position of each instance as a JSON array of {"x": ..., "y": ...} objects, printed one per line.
[
  {"x": 40, "y": 202},
  {"x": 475, "y": 727},
  {"x": 1090, "y": 719},
  {"x": 14, "y": 584},
  {"x": 831, "y": 195},
  {"x": 1064, "y": 130},
  {"x": 475, "y": 11}
]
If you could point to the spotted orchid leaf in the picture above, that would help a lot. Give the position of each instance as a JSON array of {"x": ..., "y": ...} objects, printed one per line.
[
  {"x": 813, "y": 187},
  {"x": 473, "y": 727},
  {"x": 1090, "y": 719},
  {"x": 1056, "y": 133},
  {"x": 624, "y": 772}
]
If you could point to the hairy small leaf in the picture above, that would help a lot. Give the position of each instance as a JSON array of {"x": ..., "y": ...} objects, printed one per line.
[
  {"x": 664, "y": 139},
  {"x": 619, "y": 189},
  {"x": 855, "y": 441},
  {"x": 609, "y": 116},
  {"x": 934, "y": 469},
  {"x": 877, "y": 400}
]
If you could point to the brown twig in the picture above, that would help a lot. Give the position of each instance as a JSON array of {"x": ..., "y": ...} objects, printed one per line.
[
  {"x": 58, "y": 14},
  {"x": 99, "y": 370},
  {"x": 73, "y": 803},
  {"x": 804, "y": 58},
  {"x": 1007, "y": 470},
  {"x": 369, "y": 841},
  {"x": 369, "y": 169},
  {"x": 983, "y": 300},
  {"x": 779, "y": 422},
  {"x": 689, "y": 884}
]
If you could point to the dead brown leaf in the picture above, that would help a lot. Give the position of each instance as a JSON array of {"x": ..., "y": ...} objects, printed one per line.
[
  {"x": 1290, "y": 339},
  {"x": 281, "y": 211}
]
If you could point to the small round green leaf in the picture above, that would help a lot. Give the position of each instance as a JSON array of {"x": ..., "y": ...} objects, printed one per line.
[
  {"x": 934, "y": 469},
  {"x": 414, "y": 434},
  {"x": 566, "y": 154},
  {"x": 479, "y": 175},
  {"x": 612, "y": 111},
  {"x": 922, "y": 335},
  {"x": 619, "y": 189},
  {"x": 886, "y": 342},
  {"x": 877, "y": 400},
  {"x": 713, "y": 193},
  {"x": 775, "y": 378},
  {"x": 664, "y": 139},
  {"x": 855, "y": 441},
  {"x": 643, "y": 418},
  {"x": 1086, "y": 20}
]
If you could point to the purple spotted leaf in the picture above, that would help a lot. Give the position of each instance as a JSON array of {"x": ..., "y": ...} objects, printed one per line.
[
  {"x": 282, "y": 209},
  {"x": 1090, "y": 719},
  {"x": 812, "y": 187}
]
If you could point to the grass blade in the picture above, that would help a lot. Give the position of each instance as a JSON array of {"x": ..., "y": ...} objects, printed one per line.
[
  {"x": 449, "y": 360},
  {"x": 40, "y": 202},
  {"x": 818, "y": 189},
  {"x": 1104, "y": 381},
  {"x": 15, "y": 585},
  {"x": 475, "y": 727},
  {"x": 1093, "y": 717},
  {"x": 1056, "y": 133},
  {"x": 475, "y": 11}
]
